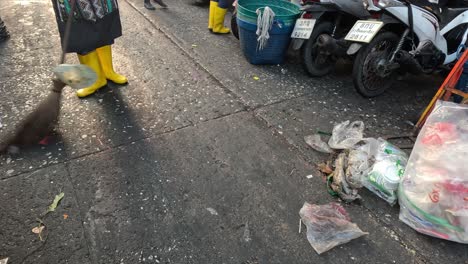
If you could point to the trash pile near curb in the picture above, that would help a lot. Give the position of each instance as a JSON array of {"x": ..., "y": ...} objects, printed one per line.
[
  {"x": 360, "y": 162},
  {"x": 431, "y": 186}
]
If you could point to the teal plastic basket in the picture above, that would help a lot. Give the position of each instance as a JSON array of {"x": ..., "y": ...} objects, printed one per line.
[{"x": 285, "y": 12}]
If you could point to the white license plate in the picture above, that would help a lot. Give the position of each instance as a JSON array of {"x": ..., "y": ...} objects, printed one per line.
[
  {"x": 364, "y": 30},
  {"x": 303, "y": 28}
]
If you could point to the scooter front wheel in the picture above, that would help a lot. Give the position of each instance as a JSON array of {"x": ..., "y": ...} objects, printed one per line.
[
  {"x": 316, "y": 63},
  {"x": 371, "y": 73}
]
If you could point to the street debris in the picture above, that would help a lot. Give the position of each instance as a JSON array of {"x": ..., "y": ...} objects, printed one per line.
[
  {"x": 339, "y": 184},
  {"x": 345, "y": 135},
  {"x": 377, "y": 165},
  {"x": 386, "y": 168},
  {"x": 315, "y": 142},
  {"x": 4, "y": 261},
  {"x": 256, "y": 78},
  {"x": 212, "y": 211},
  {"x": 328, "y": 226},
  {"x": 38, "y": 230},
  {"x": 246, "y": 235},
  {"x": 360, "y": 162},
  {"x": 41, "y": 225},
  {"x": 55, "y": 203},
  {"x": 325, "y": 168},
  {"x": 433, "y": 194},
  {"x": 309, "y": 176},
  {"x": 65, "y": 216}
]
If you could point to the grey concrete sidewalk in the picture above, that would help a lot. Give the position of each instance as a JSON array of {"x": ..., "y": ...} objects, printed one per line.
[{"x": 193, "y": 161}]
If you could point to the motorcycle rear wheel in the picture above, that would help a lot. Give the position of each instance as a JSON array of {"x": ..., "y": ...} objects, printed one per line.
[
  {"x": 315, "y": 66},
  {"x": 365, "y": 77}
]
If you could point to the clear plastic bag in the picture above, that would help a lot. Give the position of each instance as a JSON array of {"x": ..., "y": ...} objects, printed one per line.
[
  {"x": 433, "y": 195},
  {"x": 360, "y": 160},
  {"x": 377, "y": 165},
  {"x": 386, "y": 172},
  {"x": 345, "y": 135},
  {"x": 328, "y": 226},
  {"x": 316, "y": 142}
]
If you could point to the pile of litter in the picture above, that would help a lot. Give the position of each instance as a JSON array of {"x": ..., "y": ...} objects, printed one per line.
[{"x": 360, "y": 162}]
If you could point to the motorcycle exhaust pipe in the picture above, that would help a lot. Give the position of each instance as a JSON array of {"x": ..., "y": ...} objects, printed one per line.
[
  {"x": 408, "y": 62},
  {"x": 331, "y": 45}
]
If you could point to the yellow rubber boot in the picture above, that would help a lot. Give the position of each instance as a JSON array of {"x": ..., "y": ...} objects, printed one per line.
[
  {"x": 91, "y": 60},
  {"x": 105, "y": 57},
  {"x": 213, "y": 6},
  {"x": 218, "y": 23}
]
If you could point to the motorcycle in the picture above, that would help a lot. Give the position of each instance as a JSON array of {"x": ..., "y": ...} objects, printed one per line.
[
  {"x": 403, "y": 37},
  {"x": 320, "y": 32}
]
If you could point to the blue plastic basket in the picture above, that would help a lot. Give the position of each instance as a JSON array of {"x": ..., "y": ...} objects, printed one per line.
[{"x": 275, "y": 50}]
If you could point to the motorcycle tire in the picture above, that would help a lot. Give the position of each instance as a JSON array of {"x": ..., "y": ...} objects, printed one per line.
[
  {"x": 309, "y": 48},
  {"x": 234, "y": 27},
  {"x": 365, "y": 78}
]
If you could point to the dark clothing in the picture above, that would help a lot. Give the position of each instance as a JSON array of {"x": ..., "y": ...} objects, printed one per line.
[
  {"x": 91, "y": 27},
  {"x": 3, "y": 31},
  {"x": 224, "y": 3}
]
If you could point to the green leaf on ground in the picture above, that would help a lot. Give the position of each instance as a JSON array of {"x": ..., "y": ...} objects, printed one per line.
[{"x": 56, "y": 201}]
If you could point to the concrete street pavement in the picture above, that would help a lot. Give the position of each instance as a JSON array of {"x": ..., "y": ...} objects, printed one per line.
[{"x": 194, "y": 161}]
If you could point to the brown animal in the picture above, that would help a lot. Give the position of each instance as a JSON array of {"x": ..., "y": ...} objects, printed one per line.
[{"x": 38, "y": 124}]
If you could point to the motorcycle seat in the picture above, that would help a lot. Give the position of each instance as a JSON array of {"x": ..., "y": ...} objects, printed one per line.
[{"x": 448, "y": 14}]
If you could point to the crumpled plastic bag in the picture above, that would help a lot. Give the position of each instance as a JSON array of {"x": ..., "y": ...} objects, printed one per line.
[
  {"x": 360, "y": 160},
  {"x": 316, "y": 142},
  {"x": 378, "y": 165},
  {"x": 345, "y": 135},
  {"x": 328, "y": 226},
  {"x": 340, "y": 184}
]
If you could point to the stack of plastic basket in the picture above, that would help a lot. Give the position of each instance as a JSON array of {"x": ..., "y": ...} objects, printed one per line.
[{"x": 274, "y": 52}]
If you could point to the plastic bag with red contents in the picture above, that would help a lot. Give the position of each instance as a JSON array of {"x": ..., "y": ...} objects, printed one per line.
[
  {"x": 328, "y": 226},
  {"x": 433, "y": 195}
]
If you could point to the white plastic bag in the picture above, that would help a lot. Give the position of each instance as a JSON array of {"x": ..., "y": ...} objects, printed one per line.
[
  {"x": 345, "y": 135},
  {"x": 433, "y": 195},
  {"x": 328, "y": 226}
]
